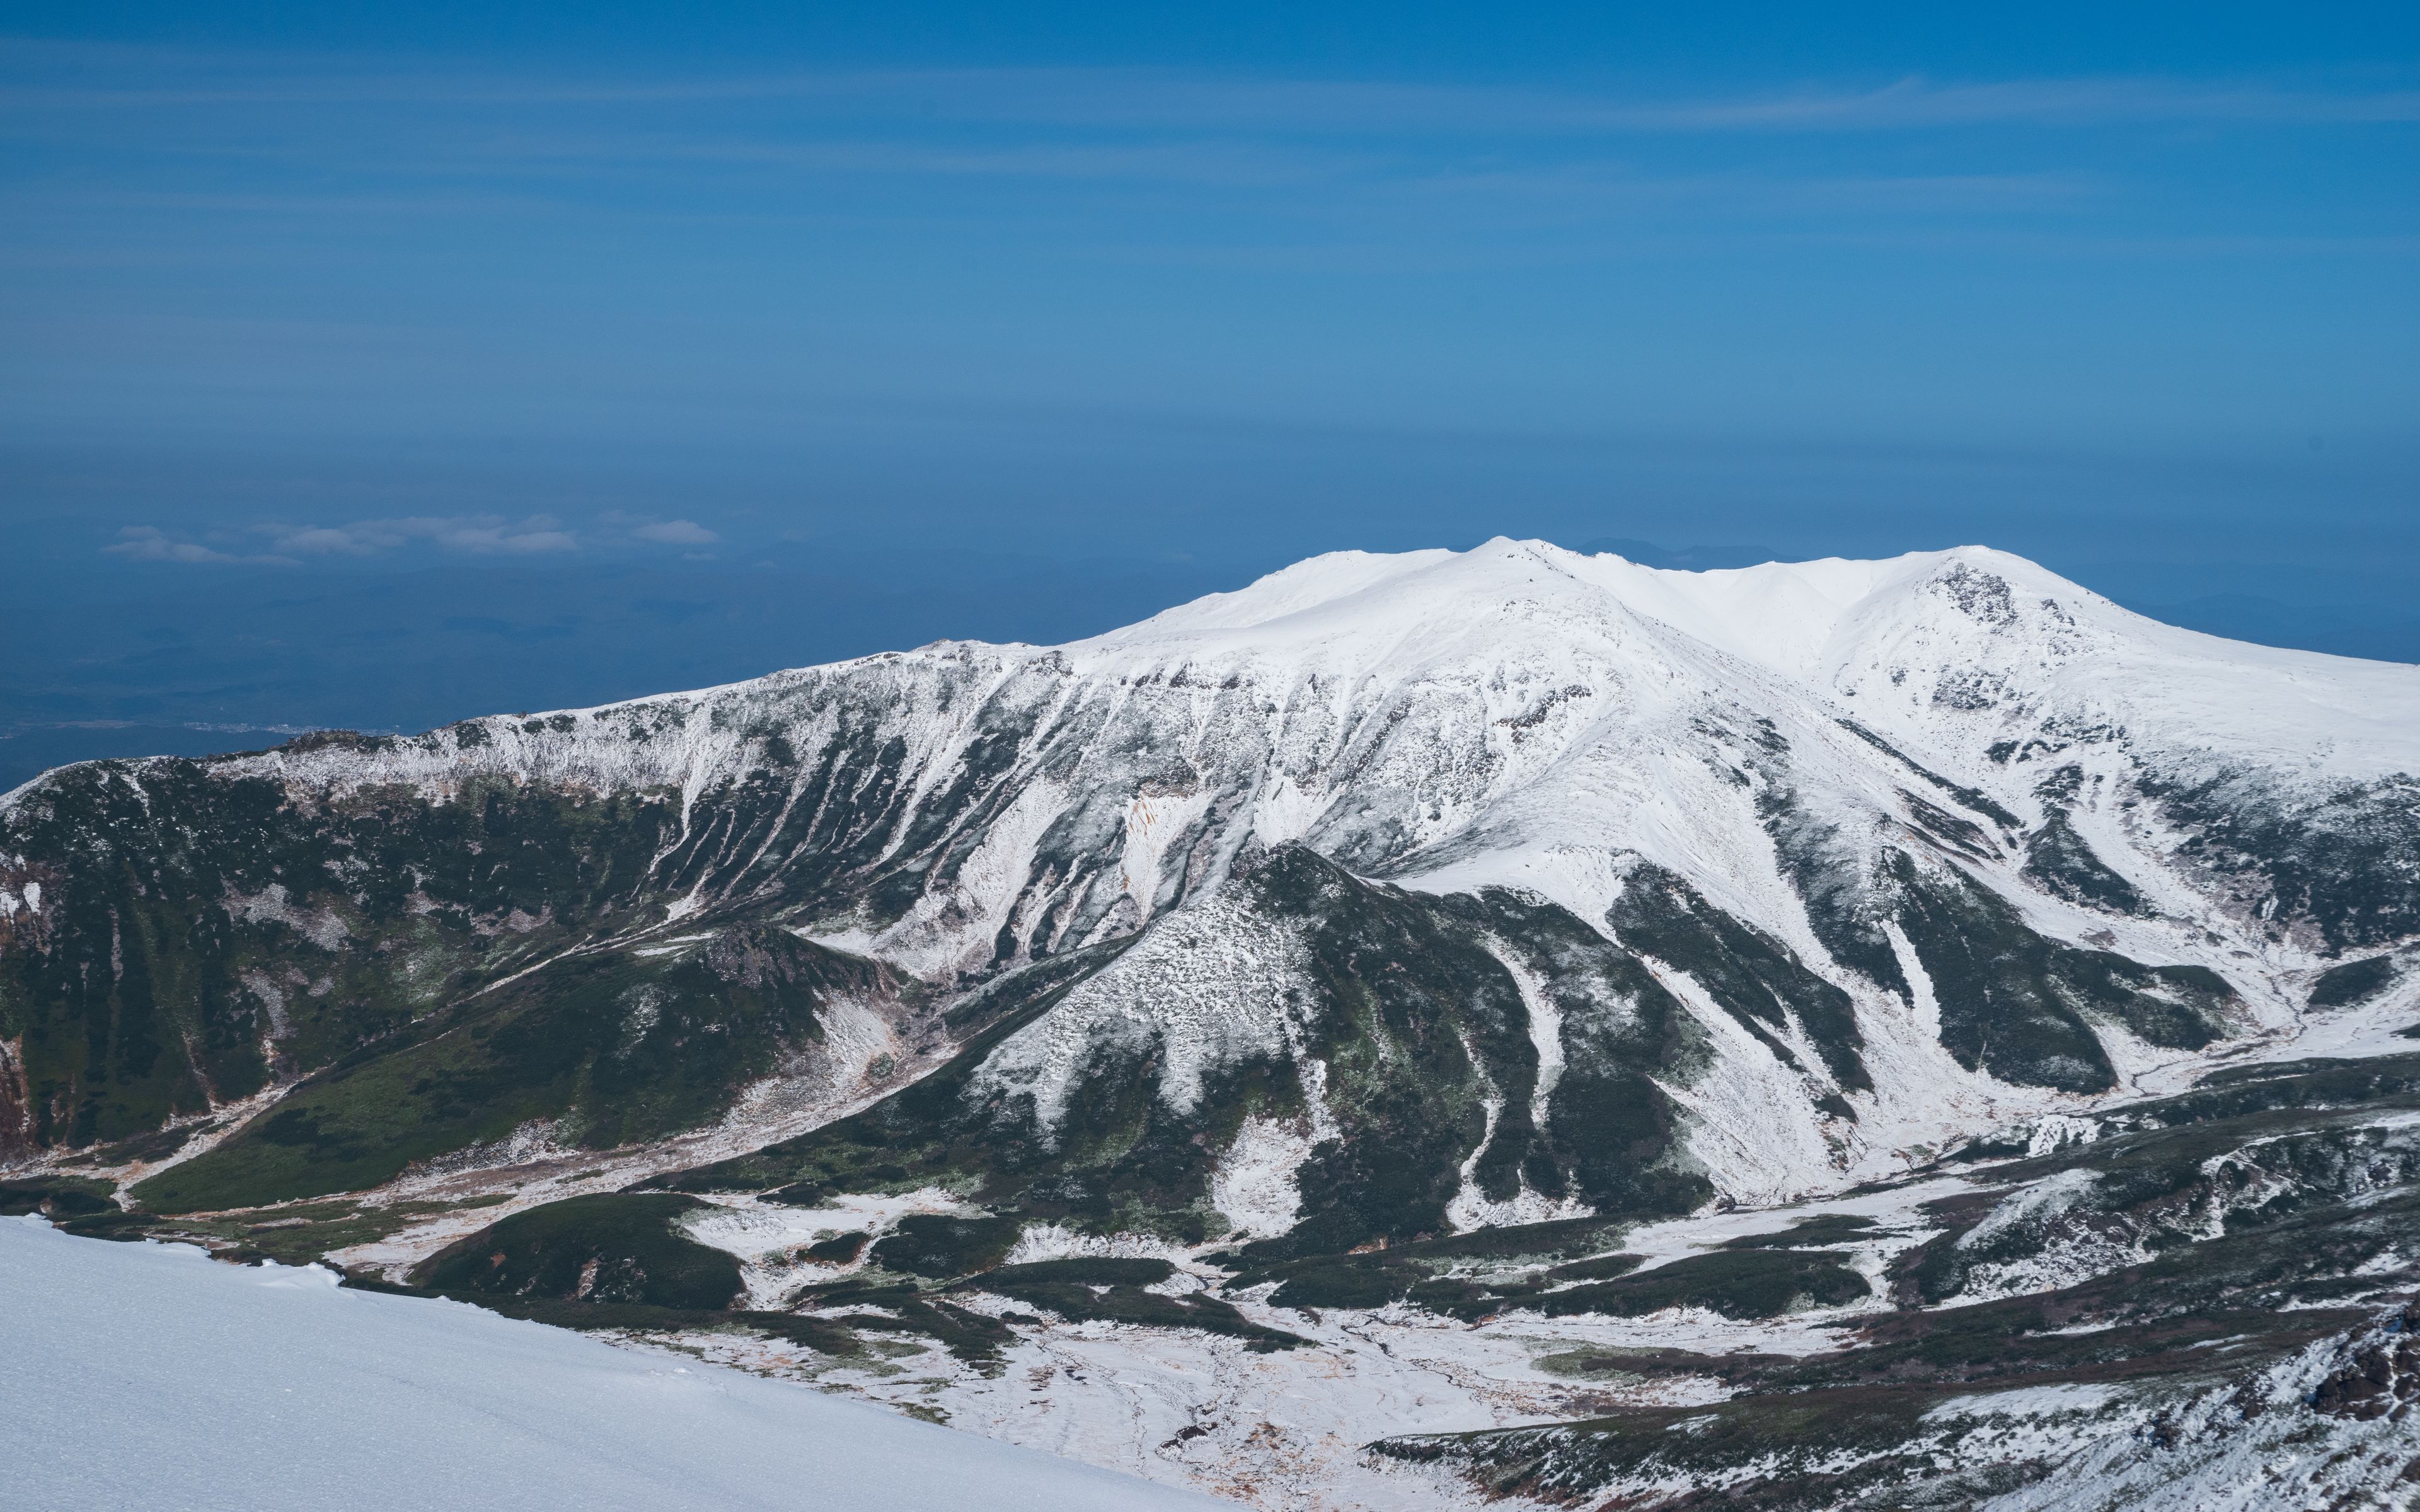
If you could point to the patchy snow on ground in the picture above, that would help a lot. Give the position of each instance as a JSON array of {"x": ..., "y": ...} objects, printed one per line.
[
  {"x": 2243, "y": 1447},
  {"x": 769, "y": 1238}
]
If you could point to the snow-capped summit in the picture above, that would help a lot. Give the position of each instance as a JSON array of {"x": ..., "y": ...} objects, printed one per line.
[{"x": 1912, "y": 636}]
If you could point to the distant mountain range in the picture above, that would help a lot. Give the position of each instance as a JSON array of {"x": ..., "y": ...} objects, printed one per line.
[{"x": 179, "y": 659}]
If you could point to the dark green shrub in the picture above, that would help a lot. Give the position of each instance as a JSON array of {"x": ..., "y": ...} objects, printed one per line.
[
  {"x": 59, "y": 1197},
  {"x": 1091, "y": 1271},
  {"x": 1740, "y": 1284},
  {"x": 1808, "y": 1233},
  {"x": 610, "y": 1248},
  {"x": 936, "y": 1246},
  {"x": 2352, "y": 982},
  {"x": 841, "y": 1249}
]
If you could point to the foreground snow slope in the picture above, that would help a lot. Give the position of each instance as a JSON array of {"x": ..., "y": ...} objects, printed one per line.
[{"x": 142, "y": 1375}]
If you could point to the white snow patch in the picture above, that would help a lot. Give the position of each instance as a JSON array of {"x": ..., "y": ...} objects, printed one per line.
[
  {"x": 1546, "y": 1028},
  {"x": 769, "y": 1237},
  {"x": 1056, "y": 1241},
  {"x": 2057, "y": 1131},
  {"x": 2025, "y": 1401},
  {"x": 1255, "y": 1182},
  {"x": 1154, "y": 822},
  {"x": 1206, "y": 986},
  {"x": 2039, "y": 1202}
]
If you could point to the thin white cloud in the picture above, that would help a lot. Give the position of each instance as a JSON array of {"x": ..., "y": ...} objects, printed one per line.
[
  {"x": 477, "y": 534},
  {"x": 149, "y": 543},
  {"x": 289, "y": 545},
  {"x": 315, "y": 540},
  {"x": 677, "y": 532},
  {"x": 483, "y": 539},
  {"x": 112, "y": 77},
  {"x": 1172, "y": 100}
]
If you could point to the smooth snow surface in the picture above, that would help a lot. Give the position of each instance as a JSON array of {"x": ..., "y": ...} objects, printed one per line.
[{"x": 145, "y": 1376}]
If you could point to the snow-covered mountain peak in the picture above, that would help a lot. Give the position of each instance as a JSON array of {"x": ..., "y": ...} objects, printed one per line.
[
  {"x": 1948, "y": 745},
  {"x": 1969, "y": 646},
  {"x": 1779, "y": 614}
]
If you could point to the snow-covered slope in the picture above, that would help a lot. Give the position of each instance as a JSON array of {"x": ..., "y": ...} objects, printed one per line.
[{"x": 140, "y": 1375}]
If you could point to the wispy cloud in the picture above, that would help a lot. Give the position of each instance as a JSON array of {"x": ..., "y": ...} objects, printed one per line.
[
  {"x": 476, "y": 535},
  {"x": 473, "y": 535},
  {"x": 149, "y": 543},
  {"x": 292, "y": 545},
  {"x": 377, "y": 139},
  {"x": 676, "y": 533},
  {"x": 1179, "y": 101},
  {"x": 117, "y": 79}
]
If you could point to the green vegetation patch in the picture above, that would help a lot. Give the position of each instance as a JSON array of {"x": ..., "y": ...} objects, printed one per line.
[
  {"x": 822, "y": 1335},
  {"x": 614, "y": 1247},
  {"x": 2355, "y": 982},
  {"x": 968, "y": 1335},
  {"x": 1700, "y": 1443},
  {"x": 1078, "y": 1302},
  {"x": 1083, "y": 1270},
  {"x": 1604, "y": 1268},
  {"x": 1603, "y": 1361},
  {"x": 1753, "y": 976},
  {"x": 1406, "y": 1001},
  {"x": 939, "y": 1246},
  {"x": 298, "y": 1235},
  {"x": 1341, "y": 1281},
  {"x": 841, "y": 1249},
  {"x": 2018, "y": 1004},
  {"x": 57, "y": 1197},
  {"x": 2061, "y": 859},
  {"x": 2234, "y": 1091},
  {"x": 616, "y": 1047},
  {"x": 1562, "y": 1238},
  {"x": 204, "y": 936},
  {"x": 1738, "y": 1284},
  {"x": 1809, "y": 1233},
  {"x": 1421, "y": 1272}
]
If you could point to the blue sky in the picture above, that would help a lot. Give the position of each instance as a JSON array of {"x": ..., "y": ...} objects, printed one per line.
[{"x": 301, "y": 294}]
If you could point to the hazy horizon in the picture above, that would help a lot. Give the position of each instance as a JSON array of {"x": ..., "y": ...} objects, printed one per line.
[{"x": 382, "y": 369}]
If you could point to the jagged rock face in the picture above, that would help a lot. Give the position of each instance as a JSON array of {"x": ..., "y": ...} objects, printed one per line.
[{"x": 1451, "y": 889}]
